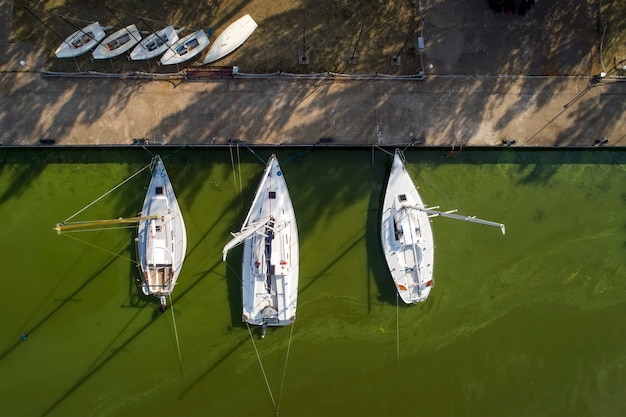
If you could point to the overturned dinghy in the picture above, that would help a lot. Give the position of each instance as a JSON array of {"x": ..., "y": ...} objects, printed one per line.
[
  {"x": 161, "y": 236},
  {"x": 232, "y": 38},
  {"x": 271, "y": 253},
  {"x": 407, "y": 236}
]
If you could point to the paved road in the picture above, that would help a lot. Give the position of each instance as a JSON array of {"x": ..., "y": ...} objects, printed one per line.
[{"x": 436, "y": 111}]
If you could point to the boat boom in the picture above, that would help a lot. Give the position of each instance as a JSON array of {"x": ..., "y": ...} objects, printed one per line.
[
  {"x": 473, "y": 219},
  {"x": 239, "y": 237},
  {"x": 64, "y": 226}
]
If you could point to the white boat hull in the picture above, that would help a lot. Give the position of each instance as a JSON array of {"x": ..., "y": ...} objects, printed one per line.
[
  {"x": 270, "y": 265},
  {"x": 117, "y": 43},
  {"x": 161, "y": 242},
  {"x": 155, "y": 44},
  {"x": 186, "y": 48},
  {"x": 81, "y": 41},
  {"x": 232, "y": 38},
  {"x": 406, "y": 236}
]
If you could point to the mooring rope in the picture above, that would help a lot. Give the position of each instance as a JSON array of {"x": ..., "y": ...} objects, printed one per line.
[
  {"x": 240, "y": 181},
  {"x": 232, "y": 164},
  {"x": 252, "y": 150},
  {"x": 269, "y": 389},
  {"x": 397, "y": 329},
  {"x": 107, "y": 193},
  {"x": 98, "y": 247},
  {"x": 180, "y": 359},
  {"x": 282, "y": 383},
  {"x": 297, "y": 154}
]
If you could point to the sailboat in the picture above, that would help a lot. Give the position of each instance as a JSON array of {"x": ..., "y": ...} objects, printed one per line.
[
  {"x": 161, "y": 235},
  {"x": 186, "y": 48},
  {"x": 407, "y": 236},
  {"x": 81, "y": 41},
  {"x": 117, "y": 43},
  {"x": 155, "y": 44},
  {"x": 270, "y": 263}
]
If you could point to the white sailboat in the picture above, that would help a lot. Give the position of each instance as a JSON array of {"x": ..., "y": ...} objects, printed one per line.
[
  {"x": 81, "y": 41},
  {"x": 155, "y": 44},
  {"x": 186, "y": 48},
  {"x": 117, "y": 43},
  {"x": 161, "y": 236},
  {"x": 407, "y": 237},
  {"x": 270, "y": 263},
  {"x": 232, "y": 38}
]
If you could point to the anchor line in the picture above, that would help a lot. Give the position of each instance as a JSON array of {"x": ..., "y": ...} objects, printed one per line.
[{"x": 269, "y": 389}]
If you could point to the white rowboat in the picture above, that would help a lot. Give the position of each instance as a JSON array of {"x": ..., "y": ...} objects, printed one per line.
[
  {"x": 81, "y": 41},
  {"x": 162, "y": 237},
  {"x": 270, "y": 263},
  {"x": 232, "y": 38},
  {"x": 117, "y": 43},
  {"x": 155, "y": 44},
  {"x": 186, "y": 48},
  {"x": 407, "y": 236}
]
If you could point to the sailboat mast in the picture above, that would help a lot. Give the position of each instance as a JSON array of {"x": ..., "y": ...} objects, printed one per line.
[
  {"x": 65, "y": 227},
  {"x": 472, "y": 219}
]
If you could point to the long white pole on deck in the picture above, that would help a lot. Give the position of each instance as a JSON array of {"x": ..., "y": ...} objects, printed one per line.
[{"x": 472, "y": 219}]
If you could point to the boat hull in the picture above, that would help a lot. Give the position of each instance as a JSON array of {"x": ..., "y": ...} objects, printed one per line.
[
  {"x": 117, "y": 43},
  {"x": 406, "y": 236},
  {"x": 155, "y": 44},
  {"x": 186, "y": 48},
  {"x": 232, "y": 38},
  {"x": 81, "y": 41},
  {"x": 270, "y": 265},
  {"x": 161, "y": 241}
]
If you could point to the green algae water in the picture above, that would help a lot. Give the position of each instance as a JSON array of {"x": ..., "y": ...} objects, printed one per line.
[{"x": 530, "y": 323}]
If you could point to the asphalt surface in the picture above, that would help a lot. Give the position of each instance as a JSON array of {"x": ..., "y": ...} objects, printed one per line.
[{"x": 438, "y": 110}]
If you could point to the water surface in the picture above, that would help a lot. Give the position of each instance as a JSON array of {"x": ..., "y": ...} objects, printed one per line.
[{"x": 530, "y": 323}]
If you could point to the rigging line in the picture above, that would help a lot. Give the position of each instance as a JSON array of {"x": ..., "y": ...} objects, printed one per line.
[
  {"x": 99, "y": 248},
  {"x": 255, "y": 154},
  {"x": 138, "y": 16},
  {"x": 261, "y": 364},
  {"x": 107, "y": 193},
  {"x": 282, "y": 383},
  {"x": 234, "y": 272},
  {"x": 180, "y": 359}
]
